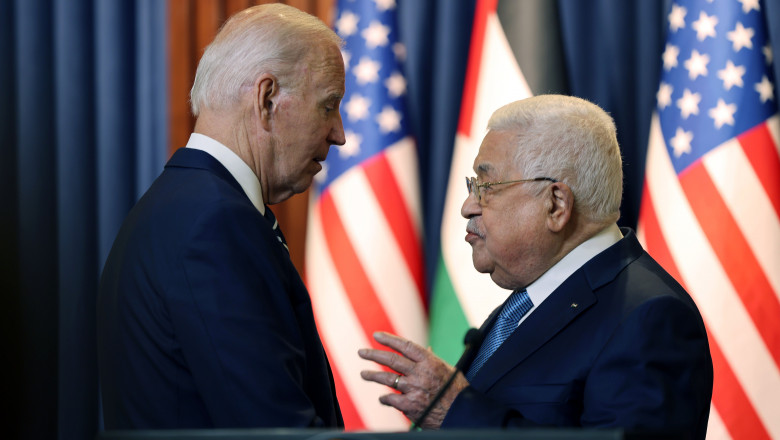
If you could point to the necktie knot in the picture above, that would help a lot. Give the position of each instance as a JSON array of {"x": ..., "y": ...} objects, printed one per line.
[
  {"x": 269, "y": 215},
  {"x": 515, "y": 307}
]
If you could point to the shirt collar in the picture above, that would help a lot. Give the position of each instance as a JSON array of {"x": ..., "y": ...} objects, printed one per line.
[
  {"x": 540, "y": 289},
  {"x": 237, "y": 167}
]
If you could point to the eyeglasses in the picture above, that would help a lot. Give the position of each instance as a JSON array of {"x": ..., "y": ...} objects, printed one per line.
[{"x": 473, "y": 186}]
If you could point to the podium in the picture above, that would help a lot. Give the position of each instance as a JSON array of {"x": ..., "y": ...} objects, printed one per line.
[{"x": 329, "y": 434}]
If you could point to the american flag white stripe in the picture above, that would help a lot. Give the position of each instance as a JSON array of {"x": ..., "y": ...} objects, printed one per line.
[{"x": 715, "y": 427}]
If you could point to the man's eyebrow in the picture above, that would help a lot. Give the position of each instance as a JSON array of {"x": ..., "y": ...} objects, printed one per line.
[
  {"x": 484, "y": 168},
  {"x": 330, "y": 99},
  {"x": 333, "y": 97}
]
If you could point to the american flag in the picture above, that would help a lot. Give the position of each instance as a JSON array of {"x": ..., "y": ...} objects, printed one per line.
[
  {"x": 711, "y": 202},
  {"x": 364, "y": 264}
]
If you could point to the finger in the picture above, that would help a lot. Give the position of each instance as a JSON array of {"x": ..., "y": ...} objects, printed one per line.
[
  {"x": 401, "y": 402},
  {"x": 404, "y": 346},
  {"x": 388, "y": 359},
  {"x": 391, "y": 380}
]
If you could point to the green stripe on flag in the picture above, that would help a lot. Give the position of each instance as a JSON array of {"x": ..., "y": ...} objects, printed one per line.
[{"x": 448, "y": 323}]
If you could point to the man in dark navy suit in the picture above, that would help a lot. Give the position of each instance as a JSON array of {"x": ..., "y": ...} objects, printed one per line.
[
  {"x": 595, "y": 333},
  {"x": 203, "y": 320}
]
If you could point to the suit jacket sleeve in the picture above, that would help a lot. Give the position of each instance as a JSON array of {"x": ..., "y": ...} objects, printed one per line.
[
  {"x": 652, "y": 374},
  {"x": 237, "y": 323}
]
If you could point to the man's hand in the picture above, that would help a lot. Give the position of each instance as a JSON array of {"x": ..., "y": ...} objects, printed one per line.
[{"x": 421, "y": 374}]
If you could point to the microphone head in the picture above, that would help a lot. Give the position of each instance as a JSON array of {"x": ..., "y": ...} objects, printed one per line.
[{"x": 473, "y": 337}]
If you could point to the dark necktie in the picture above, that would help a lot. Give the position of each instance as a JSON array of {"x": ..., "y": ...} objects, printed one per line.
[
  {"x": 515, "y": 307},
  {"x": 269, "y": 215}
]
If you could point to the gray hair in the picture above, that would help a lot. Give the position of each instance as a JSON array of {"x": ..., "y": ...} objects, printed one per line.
[
  {"x": 573, "y": 141},
  {"x": 269, "y": 38}
]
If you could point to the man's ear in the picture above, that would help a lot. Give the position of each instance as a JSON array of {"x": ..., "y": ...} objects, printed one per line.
[
  {"x": 561, "y": 206},
  {"x": 266, "y": 95}
]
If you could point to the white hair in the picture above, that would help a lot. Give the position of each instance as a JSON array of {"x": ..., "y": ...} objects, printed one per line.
[
  {"x": 571, "y": 140},
  {"x": 270, "y": 38}
]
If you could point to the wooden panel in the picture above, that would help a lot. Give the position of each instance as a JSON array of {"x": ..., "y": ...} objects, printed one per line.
[
  {"x": 181, "y": 71},
  {"x": 192, "y": 26},
  {"x": 233, "y": 6},
  {"x": 303, "y": 5},
  {"x": 325, "y": 10},
  {"x": 209, "y": 16}
]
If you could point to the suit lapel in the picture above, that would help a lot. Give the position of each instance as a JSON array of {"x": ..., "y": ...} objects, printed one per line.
[{"x": 568, "y": 301}]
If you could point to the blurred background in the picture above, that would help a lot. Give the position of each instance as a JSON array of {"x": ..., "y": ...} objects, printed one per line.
[{"x": 94, "y": 99}]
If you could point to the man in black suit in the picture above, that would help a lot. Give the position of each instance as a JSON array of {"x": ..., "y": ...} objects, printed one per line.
[
  {"x": 595, "y": 333},
  {"x": 203, "y": 320}
]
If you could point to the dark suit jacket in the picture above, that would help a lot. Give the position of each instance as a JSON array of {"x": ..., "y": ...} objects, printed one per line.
[
  {"x": 618, "y": 344},
  {"x": 203, "y": 320}
]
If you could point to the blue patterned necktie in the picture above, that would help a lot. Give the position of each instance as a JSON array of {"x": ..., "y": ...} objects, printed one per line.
[
  {"x": 515, "y": 307},
  {"x": 275, "y": 225}
]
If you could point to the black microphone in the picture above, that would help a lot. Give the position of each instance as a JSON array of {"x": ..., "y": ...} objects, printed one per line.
[{"x": 472, "y": 340}]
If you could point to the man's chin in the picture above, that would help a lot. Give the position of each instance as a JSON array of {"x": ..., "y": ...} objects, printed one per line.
[{"x": 481, "y": 266}]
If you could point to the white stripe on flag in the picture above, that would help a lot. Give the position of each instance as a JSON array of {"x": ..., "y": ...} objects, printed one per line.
[
  {"x": 706, "y": 281},
  {"x": 500, "y": 78}
]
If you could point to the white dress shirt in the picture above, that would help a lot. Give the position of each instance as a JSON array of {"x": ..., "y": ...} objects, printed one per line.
[
  {"x": 540, "y": 289},
  {"x": 234, "y": 164}
]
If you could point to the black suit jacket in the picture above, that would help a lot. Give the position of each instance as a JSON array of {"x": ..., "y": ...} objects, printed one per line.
[
  {"x": 618, "y": 344},
  {"x": 203, "y": 321}
]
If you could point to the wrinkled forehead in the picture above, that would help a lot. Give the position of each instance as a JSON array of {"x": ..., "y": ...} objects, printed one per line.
[
  {"x": 325, "y": 62},
  {"x": 496, "y": 156}
]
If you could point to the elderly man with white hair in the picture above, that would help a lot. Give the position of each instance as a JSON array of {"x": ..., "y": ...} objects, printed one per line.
[
  {"x": 203, "y": 321},
  {"x": 596, "y": 333}
]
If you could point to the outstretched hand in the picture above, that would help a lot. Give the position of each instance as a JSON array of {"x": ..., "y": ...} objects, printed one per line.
[{"x": 420, "y": 375}]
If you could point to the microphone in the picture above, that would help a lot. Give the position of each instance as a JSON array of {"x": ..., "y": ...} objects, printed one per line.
[{"x": 472, "y": 340}]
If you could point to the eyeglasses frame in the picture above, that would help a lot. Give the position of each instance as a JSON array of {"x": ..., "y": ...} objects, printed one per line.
[{"x": 473, "y": 186}]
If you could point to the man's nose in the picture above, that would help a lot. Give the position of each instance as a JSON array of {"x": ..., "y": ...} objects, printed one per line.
[
  {"x": 336, "y": 135},
  {"x": 471, "y": 206}
]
